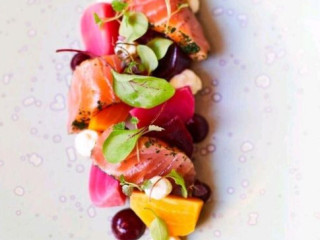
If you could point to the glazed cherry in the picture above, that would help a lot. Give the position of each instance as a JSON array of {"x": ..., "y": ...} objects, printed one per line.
[
  {"x": 201, "y": 190},
  {"x": 78, "y": 59},
  {"x": 198, "y": 128},
  {"x": 126, "y": 225},
  {"x": 173, "y": 63}
]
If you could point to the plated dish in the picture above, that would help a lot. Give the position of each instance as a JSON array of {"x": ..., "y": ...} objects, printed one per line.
[{"x": 131, "y": 103}]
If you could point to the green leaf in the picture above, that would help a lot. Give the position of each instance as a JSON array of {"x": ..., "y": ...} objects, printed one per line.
[
  {"x": 119, "y": 126},
  {"x": 148, "y": 58},
  {"x": 179, "y": 181},
  {"x": 133, "y": 26},
  {"x": 160, "y": 46},
  {"x": 118, "y": 5},
  {"x": 119, "y": 144},
  {"x": 159, "y": 229},
  {"x": 134, "y": 120},
  {"x": 142, "y": 91},
  {"x": 97, "y": 19}
]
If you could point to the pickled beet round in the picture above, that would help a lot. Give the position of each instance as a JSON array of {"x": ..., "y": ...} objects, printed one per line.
[
  {"x": 173, "y": 63},
  {"x": 201, "y": 190},
  {"x": 198, "y": 127},
  {"x": 78, "y": 59},
  {"x": 126, "y": 225}
]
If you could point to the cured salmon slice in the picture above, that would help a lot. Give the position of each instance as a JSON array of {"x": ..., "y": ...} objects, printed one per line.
[
  {"x": 91, "y": 90},
  {"x": 156, "y": 158},
  {"x": 182, "y": 27}
]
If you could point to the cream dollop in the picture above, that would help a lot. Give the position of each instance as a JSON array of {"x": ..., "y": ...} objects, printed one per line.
[
  {"x": 125, "y": 51},
  {"x": 159, "y": 188},
  {"x": 194, "y": 5},
  {"x": 85, "y": 141},
  {"x": 187, "y": 78}
]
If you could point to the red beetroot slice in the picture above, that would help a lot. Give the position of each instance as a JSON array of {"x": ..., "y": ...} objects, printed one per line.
[
  {"x": 99, "y": 40},
  {"x": 176, "y": 134},
  {"x": 182, "y": 104},
  {"x": 104, "y": 190}
]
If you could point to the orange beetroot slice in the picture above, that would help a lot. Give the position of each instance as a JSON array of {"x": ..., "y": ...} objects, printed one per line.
[
  {"x": 104, "y": 190},
  {"x": 182, "y": 104}
]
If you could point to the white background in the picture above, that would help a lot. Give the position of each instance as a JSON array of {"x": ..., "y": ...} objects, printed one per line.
[{"x": 261, "y": 96}]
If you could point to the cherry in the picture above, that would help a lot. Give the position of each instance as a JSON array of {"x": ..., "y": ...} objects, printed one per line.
[
  {"x": 78, "y": 59},
  {"x": 198, "y": 128},
  {"x": 126, "y": 225},
  {"x": 201, "y": 190}
]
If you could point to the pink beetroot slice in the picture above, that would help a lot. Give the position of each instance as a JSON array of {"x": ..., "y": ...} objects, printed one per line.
[
  {"x": 182, "y": 105},
  {"x": 99, "y": 40},
  {"x": 104, "y": 190}
]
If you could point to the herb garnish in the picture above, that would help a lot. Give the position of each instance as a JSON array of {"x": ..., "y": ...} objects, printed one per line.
[
  {"x": 179, "y": 181},
  {"x": 133, "y": 25},
  {"x": 141, "y": 91},
  {"x": 160, "y": 46},
  {"x": 158, "y": 228},
  {"x": 127, "y": 187},
  {"x": 148, "y": 58},
  {"x": 120, "y": 142},
  {"x": 118, "y": 5}
]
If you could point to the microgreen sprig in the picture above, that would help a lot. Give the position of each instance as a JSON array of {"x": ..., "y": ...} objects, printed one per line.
[
  {"x": 120, "y": 142},
  {"x": 158, "y": 227},
  {"x": 128, "y": 187},
  {"x": 179, "y": 180}
]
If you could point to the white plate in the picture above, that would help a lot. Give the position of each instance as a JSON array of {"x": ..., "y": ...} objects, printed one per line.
[{"x": 264, "y": 50}]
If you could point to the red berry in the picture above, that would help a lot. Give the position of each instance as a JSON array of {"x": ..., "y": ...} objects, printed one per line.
[
  {"x": 126, "y": 225},
  {"x": 198, "y": 127}
]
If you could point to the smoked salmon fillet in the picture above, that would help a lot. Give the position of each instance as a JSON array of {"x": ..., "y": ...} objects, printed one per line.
[
  {"x": 183, "y": 27},
  {"x": 156, "y": 158},
  {"x": 91, "y": 90}
]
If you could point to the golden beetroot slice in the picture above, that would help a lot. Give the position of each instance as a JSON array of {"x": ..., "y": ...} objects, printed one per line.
[{"x": 180, "y": 214}]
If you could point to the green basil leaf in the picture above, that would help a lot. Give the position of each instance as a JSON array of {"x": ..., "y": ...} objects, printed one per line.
[
  {"x": 119, "y": 144},
  {"x": 133, "y": 26},
  {"x": 179, "y": 181},
  {"x": 148, "y": 58},
  {"x": 160, "y": 46},
  {"x": 142, "y": 91},
  {"x": 159, "y": 229},
  {"x": 118, "y": 5}
]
